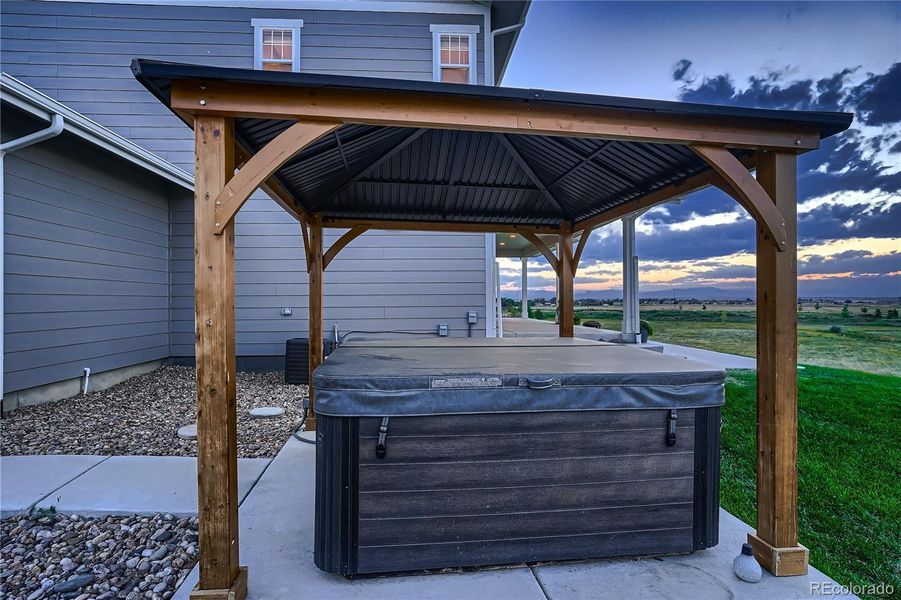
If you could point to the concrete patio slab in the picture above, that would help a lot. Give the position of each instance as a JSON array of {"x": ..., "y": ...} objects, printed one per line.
[
  {"x": 276, "y": 540},
  {"x": 704, "y": 575},
  {"x": 720, "y": 359},
  {"x": 535, "y": 328},
  {"x": 145, "y": 485},
  {"x": 25, "y": 480}
]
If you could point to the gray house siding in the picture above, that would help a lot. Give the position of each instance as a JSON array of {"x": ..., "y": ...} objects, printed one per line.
[
  {"x": 87, "y": 263},
  {"x": 79, "y": 53}
]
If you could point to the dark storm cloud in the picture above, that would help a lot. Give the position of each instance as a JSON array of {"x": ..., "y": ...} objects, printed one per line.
[
  {"x": 843, "y": 162},
  {"x": 681, "y": 69},
  {"x": 762, "y": 92},
  {"x": 878, "y": 99},
  {"x": 699, "y": 243},
  {"x": 854, "y": 262},
  {"x": 834, "y": 221},
  {"x": 708, "y": 201}
]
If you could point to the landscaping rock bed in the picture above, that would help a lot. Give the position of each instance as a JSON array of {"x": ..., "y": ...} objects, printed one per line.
[
  {"x": 52, "y": 556},
  {"x": 141, "y": 416}
]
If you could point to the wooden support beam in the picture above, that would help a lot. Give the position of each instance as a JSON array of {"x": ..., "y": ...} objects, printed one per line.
[
  {"x": 342, "y": 241},
  {"x": 342, "y": 223},
  {"x": 262, "y": 165},
  {"x": 437, "y": 111},
  {"x": 316, "y": 271},
  {"x": 217, "y": 435},
  {"x": 544, "y": 249},
  {"x": 746, "y": 190},
  {"x": 776, "y": 540},
  {"x": 566, "y": 273},
  {"x": 518, "y": 158}
]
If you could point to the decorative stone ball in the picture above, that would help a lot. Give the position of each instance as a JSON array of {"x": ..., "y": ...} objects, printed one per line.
[{"x": 745, "y": 565}]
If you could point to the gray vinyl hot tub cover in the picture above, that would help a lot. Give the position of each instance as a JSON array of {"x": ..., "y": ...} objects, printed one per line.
[{"x": 399, "y": 378}]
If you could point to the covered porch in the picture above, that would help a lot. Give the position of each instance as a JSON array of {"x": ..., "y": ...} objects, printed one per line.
[{"x": 359, "y": 154}]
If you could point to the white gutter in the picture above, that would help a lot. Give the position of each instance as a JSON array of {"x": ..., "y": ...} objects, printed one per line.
[
  {"x": 29, "y": 100},
  {"x": 57, "y": 124}
]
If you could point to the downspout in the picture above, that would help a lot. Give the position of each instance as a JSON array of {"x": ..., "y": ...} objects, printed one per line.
[
  {"x": 493, "y": 35},
  {"x": 56, "y": 127}
]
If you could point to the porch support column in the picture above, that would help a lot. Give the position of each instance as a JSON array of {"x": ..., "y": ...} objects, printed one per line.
[
  {"x": 565, "y": 278},
  {"x": 525, "y": 287},
  {"x": 631, "y": 320},
  {"x": 217, "y": 437},
  {"x": 776, "y": 540},
  {"x": 315, "y": 307}
]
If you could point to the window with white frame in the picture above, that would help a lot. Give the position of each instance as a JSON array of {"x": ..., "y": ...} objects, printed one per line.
[
  {"x": 454, "y": 53},
  {"x": 276, "y": 44}
]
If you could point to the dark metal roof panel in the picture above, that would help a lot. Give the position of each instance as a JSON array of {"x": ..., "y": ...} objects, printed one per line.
[{"x": 402, "y": 173}]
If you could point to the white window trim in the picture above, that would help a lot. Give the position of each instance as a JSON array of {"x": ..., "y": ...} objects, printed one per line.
[
  {"x": 469, "y": 30},
  {"x": 295, "y": 25}
]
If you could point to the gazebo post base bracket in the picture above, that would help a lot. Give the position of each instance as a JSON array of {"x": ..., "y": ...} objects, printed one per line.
[
  {"x": 781, "y": 562},
  {"x": 238, "y": 590}
]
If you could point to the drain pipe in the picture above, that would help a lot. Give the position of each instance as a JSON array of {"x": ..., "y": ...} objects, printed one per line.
[
  {"x": 492, "y": 36},
  {"x": 56, "y": 127}
]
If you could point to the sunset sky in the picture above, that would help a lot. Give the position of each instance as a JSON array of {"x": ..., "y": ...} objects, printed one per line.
[{"x": 809, "y": 55}]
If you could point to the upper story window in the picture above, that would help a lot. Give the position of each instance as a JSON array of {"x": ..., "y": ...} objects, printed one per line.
[
  {"x": 276, "y": 44},
  {"x": 454, "y": 53}
]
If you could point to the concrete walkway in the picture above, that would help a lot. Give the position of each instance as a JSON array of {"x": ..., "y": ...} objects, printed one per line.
[
  {"x": 101, "y": 485},
  {"x": 534, "y": 328},
  {"x": 277, "y": 546},
  {"x": 277, "y": 537}
]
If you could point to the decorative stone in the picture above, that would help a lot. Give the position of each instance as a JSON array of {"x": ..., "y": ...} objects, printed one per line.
[
  {"x": 266, "y": 412},
  {"x": 73, "y": 584},
  {"x": 745, "y": 565},
  {"x": 188, "y": 432}
]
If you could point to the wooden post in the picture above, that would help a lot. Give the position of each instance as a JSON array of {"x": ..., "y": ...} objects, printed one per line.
[
  {"x": 565, "y": 276},
  {"x": 776, "y": 540},
  {"x": 217, "y": 436},
  {"x": 315, "y": 267}
]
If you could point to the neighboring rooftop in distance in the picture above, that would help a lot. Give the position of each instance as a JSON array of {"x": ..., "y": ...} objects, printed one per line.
[{"x": 30, "y": 101}]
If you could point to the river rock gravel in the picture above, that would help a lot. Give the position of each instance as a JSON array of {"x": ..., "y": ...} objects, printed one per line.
[
  {"x": 142, "y": 415},
  {"x": 65, "y": 557}
]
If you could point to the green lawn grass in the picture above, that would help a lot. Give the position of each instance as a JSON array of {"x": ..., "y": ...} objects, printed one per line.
[
  {"x": 849, "y": 469},
  {"x": 864, "y": 344}
]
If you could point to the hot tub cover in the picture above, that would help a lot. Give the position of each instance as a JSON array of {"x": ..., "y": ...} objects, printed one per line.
[{"x": 440, "y": 377}]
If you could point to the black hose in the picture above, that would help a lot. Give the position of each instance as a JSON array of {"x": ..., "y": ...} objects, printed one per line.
[{"x": 303, "y": 420}]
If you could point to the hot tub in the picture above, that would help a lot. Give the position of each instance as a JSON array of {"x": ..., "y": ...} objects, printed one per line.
[{"x": 448, "y": 453}]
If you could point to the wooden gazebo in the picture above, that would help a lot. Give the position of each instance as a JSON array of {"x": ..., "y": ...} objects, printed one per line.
[{"x": 359, "y": 153}]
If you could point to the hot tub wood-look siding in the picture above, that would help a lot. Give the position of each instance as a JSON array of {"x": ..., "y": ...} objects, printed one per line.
[{"x": 455, "y": 490}]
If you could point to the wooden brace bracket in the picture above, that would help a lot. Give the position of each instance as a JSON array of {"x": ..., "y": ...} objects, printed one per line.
[
  {"x": 305, "y": 232},
  {"x": 341, "y": 242},
  {"x": 747, "y": 191},
  {"x": 543, "y": 248},
  {"x": 577, "y": 255},
  {"x": 263, "y": 164}
]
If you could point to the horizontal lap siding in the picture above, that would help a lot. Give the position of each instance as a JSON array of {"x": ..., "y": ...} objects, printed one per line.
[
  {"x": 523, "y": 487},
  {"x": 87, "y": 264},
  {"x": 79, "y": 53}
]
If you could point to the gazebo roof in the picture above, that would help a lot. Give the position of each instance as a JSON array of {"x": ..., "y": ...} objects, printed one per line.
[{"x": 393, "y": 173}]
